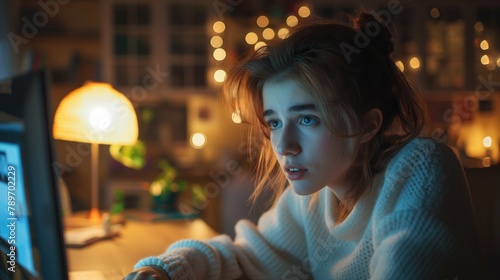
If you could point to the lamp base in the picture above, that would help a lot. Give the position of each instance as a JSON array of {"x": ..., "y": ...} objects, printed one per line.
[
  {"x": 83, "y": 219},
  {"x": 94, "y": 216}
]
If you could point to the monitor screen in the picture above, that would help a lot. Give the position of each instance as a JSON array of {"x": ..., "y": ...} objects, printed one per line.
[{"x": 31, "y": 235}]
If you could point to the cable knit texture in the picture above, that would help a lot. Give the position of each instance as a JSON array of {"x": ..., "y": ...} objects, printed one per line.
[{"x": 416, "y": 222}]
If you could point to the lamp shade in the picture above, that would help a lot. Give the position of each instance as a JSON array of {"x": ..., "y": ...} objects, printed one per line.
[{"x": 96, "y": 113}]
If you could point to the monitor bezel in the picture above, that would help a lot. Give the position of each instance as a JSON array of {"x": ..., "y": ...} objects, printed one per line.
[{"x": 29, "y": 101}]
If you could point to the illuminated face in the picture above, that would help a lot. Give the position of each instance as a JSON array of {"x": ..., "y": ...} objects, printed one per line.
[{"x": 309, "y": 154}]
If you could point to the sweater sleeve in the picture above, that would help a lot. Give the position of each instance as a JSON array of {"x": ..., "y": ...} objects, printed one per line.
[
  {"x": 262, "y": 251},
  {"x": 426, "y": 228}
]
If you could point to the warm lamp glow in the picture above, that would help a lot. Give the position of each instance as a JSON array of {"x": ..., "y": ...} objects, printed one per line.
[{"x": 96, "y": 113}]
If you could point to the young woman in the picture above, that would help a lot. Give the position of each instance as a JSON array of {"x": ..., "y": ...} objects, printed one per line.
[{"x": 358, "y": 194}]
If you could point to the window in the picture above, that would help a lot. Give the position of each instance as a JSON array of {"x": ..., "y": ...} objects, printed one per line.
[
  {"x": 445, "y": 67},
  {"x": 131, "y": 42},
  {"x": 187, "y": 44}
]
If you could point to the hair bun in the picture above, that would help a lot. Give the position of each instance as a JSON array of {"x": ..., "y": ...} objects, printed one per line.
[{"x": 376, "y": 30}]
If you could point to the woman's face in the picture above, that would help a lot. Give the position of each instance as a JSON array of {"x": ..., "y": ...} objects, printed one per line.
[{"x": 309, "y": 154}]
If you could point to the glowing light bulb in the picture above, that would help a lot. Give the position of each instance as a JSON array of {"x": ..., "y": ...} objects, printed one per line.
[
  {"x": 251, "y": 38},
  {"x": 236, "y": 117},
  {"x": 414, "y": 63},
  {"x": 400, "y": 65},
  {"x": 484, "y": 45},
  {"x": 304, "y": 11},
  {"x": 487, "y": 142},
  {"x": 216, "y": 42},
  {"x": 479, "y": 27},
  {"x": 220, "y": 76},
  {"x": 268, "y": 34},
  {"x": 258, "y": 45},
  {"x": 219, "y": 54},
  {"x": 198, "y": 140},
  {"x": 262, "y": 21},
  {"x": 283, "y": 32},
  {"x": 292, "y": 21},
  {"x": 219, "y": 27},
  {"x": 485, "y": 60},
  {"x": 100, "y": 119},
  {"x": 435, "y": 13}
]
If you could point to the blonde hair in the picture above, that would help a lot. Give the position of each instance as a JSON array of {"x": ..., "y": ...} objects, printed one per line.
[{"x": 344, "y": 88}]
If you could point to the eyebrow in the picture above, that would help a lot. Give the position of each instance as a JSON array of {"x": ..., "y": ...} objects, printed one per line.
[{"x": 294, "y": 108}]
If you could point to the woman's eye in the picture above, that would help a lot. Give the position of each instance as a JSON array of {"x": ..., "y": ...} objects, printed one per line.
[
  {"x": 273, "y": 124},
  {"x": 308, "y": 120}
]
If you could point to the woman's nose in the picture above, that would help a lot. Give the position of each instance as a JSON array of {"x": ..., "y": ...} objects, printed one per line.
[{"x": 288, "y": 143}]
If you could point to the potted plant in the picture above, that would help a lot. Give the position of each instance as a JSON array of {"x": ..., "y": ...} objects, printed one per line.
[{"x": 165, "y": 188}]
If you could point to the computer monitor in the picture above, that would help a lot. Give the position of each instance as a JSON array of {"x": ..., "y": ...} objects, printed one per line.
[{"x": 31, "y": 234}]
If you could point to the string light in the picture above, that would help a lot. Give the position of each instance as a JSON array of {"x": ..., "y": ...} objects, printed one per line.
[
  {"x": 283, "y": 32},
  {"x": 414, "y": 63},
  {"x": 484, "y": 45},
  {"x": 216, "y": 41},
  {"x": 258, "y": 45},
  {"x": 268, "y": 34},
  {"x": 236, "y": 117},
  {"x": 400, "y": 65},
  {"x": 262, "y": 21},
  {"x": 219, "y": 54},
  {"x": 251, "y": 38},
  {"x": 198, "y": 140},
  {"x": 219, "y": 27},
  {"x": 304, "y": 11},
  {"x": 435, "y": 13},
  {"x": 485, "y": 60},
  {"x": 479, "y": 27},
  {"x": 292, "y": 21},
  {"x": 220, "y": 76}
]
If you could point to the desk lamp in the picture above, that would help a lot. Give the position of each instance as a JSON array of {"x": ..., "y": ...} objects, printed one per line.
[{"x": 97, "y": 114}]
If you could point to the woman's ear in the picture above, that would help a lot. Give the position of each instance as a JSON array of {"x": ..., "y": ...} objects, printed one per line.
[{"x": 373, "y": 121}]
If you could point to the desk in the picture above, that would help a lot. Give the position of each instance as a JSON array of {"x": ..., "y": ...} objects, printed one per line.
[{"x": 137, "y": 240}]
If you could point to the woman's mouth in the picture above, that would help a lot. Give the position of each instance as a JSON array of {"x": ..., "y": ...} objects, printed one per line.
[{"x": 294, "y": 173}]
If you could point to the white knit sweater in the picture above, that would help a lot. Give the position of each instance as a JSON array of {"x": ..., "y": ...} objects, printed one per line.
[{"x": 415, "y": 223}]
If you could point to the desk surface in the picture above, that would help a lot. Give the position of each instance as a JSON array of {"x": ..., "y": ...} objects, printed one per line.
[{"x": 137, "y": 240}]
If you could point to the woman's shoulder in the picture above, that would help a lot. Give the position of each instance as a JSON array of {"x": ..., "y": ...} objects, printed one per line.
[
  {"x": 423, "y": 151},
  {"x": 423, "y": 173}
]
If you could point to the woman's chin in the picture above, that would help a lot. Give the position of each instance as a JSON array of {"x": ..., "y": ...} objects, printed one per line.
[{"x": 302, "y": 189}]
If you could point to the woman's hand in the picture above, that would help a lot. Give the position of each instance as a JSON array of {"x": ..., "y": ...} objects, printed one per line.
[{"x": 148, "y": 273}]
